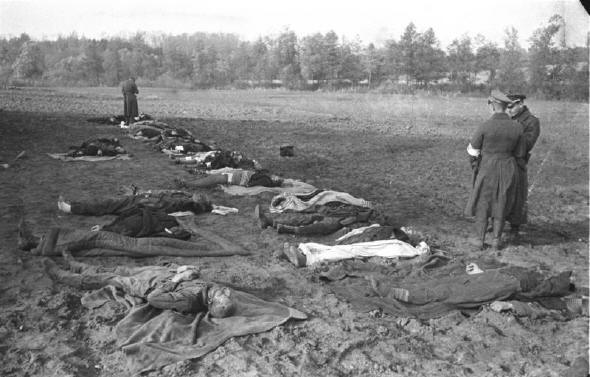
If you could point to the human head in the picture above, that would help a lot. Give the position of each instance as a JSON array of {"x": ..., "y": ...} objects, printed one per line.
[
  {"x": 498, "y": 101},
  {"x": 220, "y": 302},
  {"x": 517, "y": 103}
]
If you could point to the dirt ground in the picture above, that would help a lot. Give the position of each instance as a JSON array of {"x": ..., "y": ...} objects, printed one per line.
[{"x": 407, "y": 154}]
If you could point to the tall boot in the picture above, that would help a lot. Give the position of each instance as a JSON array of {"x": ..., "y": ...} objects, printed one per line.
[
  {"x": 513, "y": 235},
  {"x": 481, "y": 227},
  {"x": 287, "y": 229},
  {"x": 498, "y": 229}
]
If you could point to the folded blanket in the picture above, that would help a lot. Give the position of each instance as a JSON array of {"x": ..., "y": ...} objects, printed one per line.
[
  {"x": 152, "y": 338},
  {"x": 65, "y": 157}
]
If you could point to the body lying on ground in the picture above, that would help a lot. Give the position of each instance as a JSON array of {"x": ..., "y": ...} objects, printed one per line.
[
  {"x": 365, "y": 242},
  {"x": 472, "y": 291},
  {"x": 425, "y": 291},
  {"x": 166, "y": 200},
  {"x": 117, "y": 119},
  {"x": 317, "y": 219},
  {"x": 142, "y": 215},
  {"x": 162, "y": 287},
  {"x": 236, "y": 177},
  {"x": 173, "y": 316},
  {"x": 104, "y": 243},
  {"x": 97, "y": 147},
  {"x": 218, "y": 159}
]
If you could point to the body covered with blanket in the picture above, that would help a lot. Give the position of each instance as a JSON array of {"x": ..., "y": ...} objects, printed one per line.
[{"x": 173, "y": 315}]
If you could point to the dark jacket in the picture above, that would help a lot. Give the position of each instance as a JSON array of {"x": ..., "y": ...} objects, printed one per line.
[
  {"x": 129, "y": 87},
  {"x": 531, "y": 128}
]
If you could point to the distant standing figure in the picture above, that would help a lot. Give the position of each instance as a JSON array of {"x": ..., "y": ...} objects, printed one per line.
[
  {"x": 519, "y": 112},
  {"x": 130, "y": 108},
  {"x": 500, "y": 142}
]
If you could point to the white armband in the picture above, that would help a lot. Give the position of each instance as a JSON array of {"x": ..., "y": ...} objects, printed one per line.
[{"x": 472, "y": 151}]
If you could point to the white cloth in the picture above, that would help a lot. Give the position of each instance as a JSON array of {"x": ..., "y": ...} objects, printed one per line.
[
  {"x": 316, "y": 252},
  {"x": 221, "y": 210},
  {"x": 182, "y": 213},
  {"x": 196, "y": 156},
  {"x": 285, "y": 201},
  {"x": 356, "y": 231}
]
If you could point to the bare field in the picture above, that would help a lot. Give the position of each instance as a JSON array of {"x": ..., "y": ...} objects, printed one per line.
[{"x": 406, "y": 153}]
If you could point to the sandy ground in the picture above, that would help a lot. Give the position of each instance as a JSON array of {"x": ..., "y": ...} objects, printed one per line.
[{"x": 412, "y": 165}]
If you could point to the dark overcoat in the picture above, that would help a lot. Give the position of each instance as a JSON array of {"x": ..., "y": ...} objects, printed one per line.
[
  {"x": 531, "y": 131},
  {"x": 502, "y": 146},
  {"x": 130, "y": 108}
]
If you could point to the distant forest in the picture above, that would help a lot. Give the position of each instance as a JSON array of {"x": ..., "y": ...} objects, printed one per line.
[{"x": 547, "y": 69}]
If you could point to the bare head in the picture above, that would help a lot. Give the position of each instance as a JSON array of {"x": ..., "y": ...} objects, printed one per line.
[{"x": 220, "y": 302}]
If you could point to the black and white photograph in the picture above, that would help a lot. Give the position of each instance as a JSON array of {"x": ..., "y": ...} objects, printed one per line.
[{"x": 294, "y": 189}]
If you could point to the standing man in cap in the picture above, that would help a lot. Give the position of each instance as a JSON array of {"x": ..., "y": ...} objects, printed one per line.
[
  {"x": 500, "y": 143},
  {"x": 519, "y": 112},
  {"x": 130, "y": 109}
]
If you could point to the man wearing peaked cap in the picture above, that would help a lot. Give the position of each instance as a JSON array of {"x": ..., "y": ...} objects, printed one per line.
[
  {"x": 499, "y": 97},
  {"x": 516, "y": 97},
  {"x": 500, "y": 143},
  {"x": 519, "y": 112}
]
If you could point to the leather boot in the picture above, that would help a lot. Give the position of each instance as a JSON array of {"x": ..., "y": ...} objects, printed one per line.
[
  {"x": 498, "y": 229},
  {"x": 286, "y": 229},
  {"x": 481, "y": 227},
  {"x": 513, "y": 235}
]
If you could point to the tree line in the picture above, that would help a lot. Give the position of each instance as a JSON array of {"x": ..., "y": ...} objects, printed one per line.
[{"x": 547, "y": 69}]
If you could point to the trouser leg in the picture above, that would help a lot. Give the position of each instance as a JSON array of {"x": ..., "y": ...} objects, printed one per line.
[
  {"x": 85, "y": 280},
  {"x": 111, "y": 206},
  {"x": 208, "y": 181},
  {"x": 324, "y": 227}
]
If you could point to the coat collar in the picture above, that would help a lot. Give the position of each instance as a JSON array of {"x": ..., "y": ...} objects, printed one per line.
[
  {"x": 523, "y": 113},
  {"x": 500, "y": 116}
]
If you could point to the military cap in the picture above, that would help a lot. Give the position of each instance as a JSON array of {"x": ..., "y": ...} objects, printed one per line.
[
  {"x": 516, "y": 97},
  {"x": 498, "y": 96}
]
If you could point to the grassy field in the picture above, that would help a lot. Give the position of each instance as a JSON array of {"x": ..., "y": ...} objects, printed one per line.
[{"x": 405, "y": 153}]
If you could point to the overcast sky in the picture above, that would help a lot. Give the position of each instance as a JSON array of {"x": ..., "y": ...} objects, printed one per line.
[{"x": 369, "y": 20}]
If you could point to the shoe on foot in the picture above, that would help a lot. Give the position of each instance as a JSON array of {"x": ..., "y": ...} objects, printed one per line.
[
  {"x": 47, "y": 243},
  {"x": 263, "y": 221},
  {"x": 513, "y": 236},
  {"x": 497, "y": 244},
  {"x": 50, "y": 267},
  {"x": 296, "y": 257},
  {"x": 400, "y": 294},
  {"x": 26, "y": 239},
  {"x": 63, "y": 206}
]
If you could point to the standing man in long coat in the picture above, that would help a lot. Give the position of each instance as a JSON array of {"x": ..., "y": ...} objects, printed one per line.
[
  {"x": 500, "y": 142},
  {"x": 130, "y": 108},
  {"x": 519, "y": 112}
]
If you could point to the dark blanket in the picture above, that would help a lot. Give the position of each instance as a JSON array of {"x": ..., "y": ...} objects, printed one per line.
[
  {"x": 434, "y": 292},
  {"x": 152, "y": 338}
]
